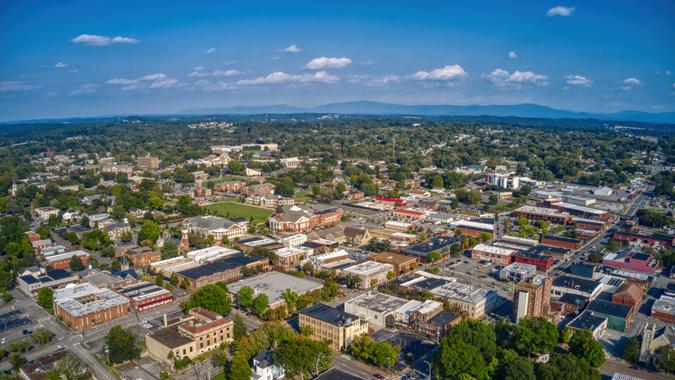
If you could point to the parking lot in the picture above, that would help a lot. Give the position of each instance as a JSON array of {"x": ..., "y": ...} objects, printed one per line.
[{"x": 13, "y": 319}]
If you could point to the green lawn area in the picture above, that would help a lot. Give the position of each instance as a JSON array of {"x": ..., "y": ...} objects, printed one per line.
[
  {"x": 220, "y": 376},
  {"x": 302, "y": 196},
  {"x": 238, "y": 210}
]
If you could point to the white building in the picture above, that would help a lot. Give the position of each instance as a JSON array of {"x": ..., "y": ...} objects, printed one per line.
[
  {"x": 379, "y": 309},
  {"x": 294, "y": 240},
  {"x": 370, "y": 272},
  {"x": 265, "y": 369},
  {"x": 517, "y": 272}
]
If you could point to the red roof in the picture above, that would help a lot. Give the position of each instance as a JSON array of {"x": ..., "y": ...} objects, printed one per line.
[{"x": 398, "y": 201}]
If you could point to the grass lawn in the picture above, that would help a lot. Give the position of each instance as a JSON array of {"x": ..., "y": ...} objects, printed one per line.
[
  {"x": 302, "y": 196},
  {"x": 220, "y": 376},
  {"x": 238, "y": 210}
]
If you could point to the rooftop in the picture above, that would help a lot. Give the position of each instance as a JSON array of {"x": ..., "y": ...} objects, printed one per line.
[
  {"x": 273, "y": 284},
  {"x": 586, "y": 320},
  {"x": 369, "y": 267},
  {"x": 494, "y": 250},
  {"x": 577, "y": 283},
  {"x": 209, "y": 222},
  {"x": 337, "y": 374},
  {"x": 435, "y": 244},
  {"x": 82, "y": 299},
  {"x": 609, "y": 308},
  {"x": 329, "y": 314},
  {"x": 665, "y": 304},
  {"x": 462, "y": 292},
  {"x": 228, "y": 263},
  {"x": 378, "y": 302}
]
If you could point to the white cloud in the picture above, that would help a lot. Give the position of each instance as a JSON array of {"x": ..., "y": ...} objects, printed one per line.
[
  {"x": 446, "y": 73},
  {"x": 210, "y": 50},
  {"x": 560, "y": 11},
  {"x": 513, "y": 55},
  {"x": 85, "y": 89},
  {"x": 280, "y": 77},
  {"x": 516, "y": 79},
  {"x": 327, "y": 63},
  {"x": 124, "y": 40},
  {"x": 293, "y": 48},
  {"x": 95, "y": 40},
  {"x": 374, "y": 80},
  {"x": 16, "y": 86},
  {"x": 61, "y": 65},
  {"x": 200, "y": 73},
  {"x": 578, "y": 80},
  {"x": 121, "y": 81},
  {"x": 156, "y": 80},
  {"x": 632, "y": 81}
]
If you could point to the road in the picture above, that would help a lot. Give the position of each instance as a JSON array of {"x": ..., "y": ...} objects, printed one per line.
[
  {"x": 612, "y": 366},
  {"x": 65, "y": 338}
]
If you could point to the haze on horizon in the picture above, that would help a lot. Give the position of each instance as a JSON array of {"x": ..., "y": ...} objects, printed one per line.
[{"x": 77, "y": 58}]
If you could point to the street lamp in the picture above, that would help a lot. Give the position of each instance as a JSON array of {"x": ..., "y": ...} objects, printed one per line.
[{"x": 107, "y": 353}]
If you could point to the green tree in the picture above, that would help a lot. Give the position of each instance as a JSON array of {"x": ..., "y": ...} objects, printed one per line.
[
  {"x": 149, "y": 231},
  {"x": 72, "y": 368},
  {"x": 169, "y": 250},
  {"x": 535, "y": 335},
  {"x": 303, "y": 356},
  {"x": 211, "y": 297},
  {"x": 261, "y": 303},
  {"x": 584, "y": 345},
  {"x": 477, "y": 334},
  {"x": 437, "y": 182},
  {"x": 665, "y": 359},
  {"x": 76, "y": 264},
  {"x": 239, "y": 328},
  {"x": 631, "y": 351},
  {"x": 239, "y": 370},
  {"x": 517, "y": 368},
  {"x": 245, "y": 297},
  {"x": 456, "y": 358},
  {"x": 42, "y": 336},
  {"x": 122, "y": 345},
  {"x": 567, "y": 367},
  {"x": 291, "y": 299},
  {"x": 45, "y": 299}
]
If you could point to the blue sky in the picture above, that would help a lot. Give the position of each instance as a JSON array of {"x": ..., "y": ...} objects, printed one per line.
[{"x": 87, "y": 58}]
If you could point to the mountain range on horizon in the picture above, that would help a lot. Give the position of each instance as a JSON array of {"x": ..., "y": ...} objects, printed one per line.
[{"x": 526, "y": 110}]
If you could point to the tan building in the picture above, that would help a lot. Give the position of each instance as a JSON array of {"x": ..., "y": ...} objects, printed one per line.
[
  {"x": 83, "y": 306},
  {"x": 532, "y": 297},
  {"x": 332, "y": 324},
  {"x": 201, "y": 331},
  {"x": 143, "y": 257},
  {"x": 371, "y": 273},
  {"x": 147, "y": 162},
  {"x": 401, "y": 263}
]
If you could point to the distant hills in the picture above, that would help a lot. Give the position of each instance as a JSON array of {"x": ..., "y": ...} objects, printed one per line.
[{"x": 379, "y": 108}]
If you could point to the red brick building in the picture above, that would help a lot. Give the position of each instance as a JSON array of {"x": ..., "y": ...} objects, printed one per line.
[
  {"x": 62, "y": 261},
  {"x": 561, "y": 241},
  {"x": 229, "y": 187},
  {"x": 543, "y": 263},
  {"x": 628, "y": 294},
  {"x": 143, "y": 257},
  {"x": 84, "y": 306},
  {"x": 144, "y": 295}
]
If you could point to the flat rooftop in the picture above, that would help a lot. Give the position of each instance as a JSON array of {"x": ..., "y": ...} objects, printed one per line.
[
  {"x": 329, "y": 314},
  {"x": 228, "y": 263},
  {"x": 494, "y": 250},
  {"x": 461, "y": 292},
  {"x": 369, "y": 267},
  {"x": 82, "y": 299},
  {"x": 378, "y": 302},
  {"x": 273, "y": 284}
]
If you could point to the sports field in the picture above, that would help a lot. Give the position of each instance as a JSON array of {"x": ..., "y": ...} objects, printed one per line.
[{"x": 238, "y": 210}]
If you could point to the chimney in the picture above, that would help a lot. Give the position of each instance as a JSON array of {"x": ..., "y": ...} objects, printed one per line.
[{"x": 166, "y": 321}]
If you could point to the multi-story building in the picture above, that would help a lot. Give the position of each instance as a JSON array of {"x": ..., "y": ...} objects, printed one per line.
[
  {"x": 437, "y": 244},
  {"x": 289, "y": 258},
  {"x": 401, "y": 263},
  {"x": 499, "y": 255},
  {"x": 474, "y": 301},
  {"x": 228, "y": 269},
  {"x": 229, "y": 187},
  {"x": 332, "y": 324},
  {"x": 216, "y": 226},
  {"x": 297, "y": 219},
  {"x": 62, "y": 260},
  {"x": 542, "y": 262},
  {"x": 532, "y": 297},
  {"x": 44, "y": 213},
  {"x": 31, "y": 283},
  {"x": 143, "y": 257},
  {"x": 293, "y": 240},
  {"x": 291, "y": 162},
  {"x": 664, "y": 309},
  {"x": 409, "y": 214},
  {"x": 144, "y": 295},
  {"x": 371, "y": 273},
  {"x": 561, "y": 241},
  {"x": 84, "y": 306},
  {"x": 202, "y": 331},
  {"x": 517, "y": 272},
  {"x": 376, "y": 308},
  {"x": 551, "y": 215},
  {"x": 469, "y": 228},
  {"x": 147, "y": 162},
  {"x": 504, "y": 180}
]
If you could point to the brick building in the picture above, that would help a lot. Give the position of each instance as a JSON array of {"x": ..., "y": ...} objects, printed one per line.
[
  {"x": 532, "y": 297},
  {"x": 228, "y": 269},
  {"x": 83, "y": 306}
]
